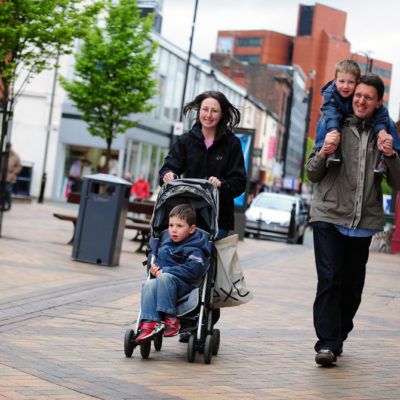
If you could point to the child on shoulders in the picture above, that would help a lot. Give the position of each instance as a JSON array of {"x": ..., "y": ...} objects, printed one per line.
[{"x": 337, "y": 104}]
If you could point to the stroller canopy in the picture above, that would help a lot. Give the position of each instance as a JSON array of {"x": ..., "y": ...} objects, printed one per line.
[{"x": 201, "y": 193}]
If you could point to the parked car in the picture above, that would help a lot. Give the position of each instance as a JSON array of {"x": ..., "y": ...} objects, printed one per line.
[{"x": 276, "y": 215}]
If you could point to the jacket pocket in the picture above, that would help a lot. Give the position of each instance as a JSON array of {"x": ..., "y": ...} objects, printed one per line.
[{"x": 328, "y": 186}]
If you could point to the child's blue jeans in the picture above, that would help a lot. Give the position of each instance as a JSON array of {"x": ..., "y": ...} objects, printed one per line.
[
  {"x": 322, "y": 131},
  {"x": 160, "y": 295}
]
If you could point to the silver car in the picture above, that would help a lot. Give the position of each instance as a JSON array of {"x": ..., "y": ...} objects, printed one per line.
[{"x": 278, "y": 216}]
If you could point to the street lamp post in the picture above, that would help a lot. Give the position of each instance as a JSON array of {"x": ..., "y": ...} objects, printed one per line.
[
  {"x": 44, "y": 175},
  {"x": 303, "y": 158},
  {"x": 188, "y": 60},
  {"x": 368, "y": 64}
]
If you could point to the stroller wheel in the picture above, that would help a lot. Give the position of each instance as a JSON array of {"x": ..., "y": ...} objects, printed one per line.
[
  {"x": 216, "y": 336},
  {"x": 158, "y": 342},
  {"x": 145, "y": 349},
  {"x": 191, "y": 350},
  {"x": 208, "y": 348},
  {"x": 129, "y": 342}
]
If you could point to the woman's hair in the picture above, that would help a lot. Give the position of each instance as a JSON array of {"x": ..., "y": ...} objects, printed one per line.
[{"x": 230, "y": 115}]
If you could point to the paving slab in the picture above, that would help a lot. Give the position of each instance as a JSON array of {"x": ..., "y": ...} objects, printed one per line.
[{"x": 62, "y": 325}]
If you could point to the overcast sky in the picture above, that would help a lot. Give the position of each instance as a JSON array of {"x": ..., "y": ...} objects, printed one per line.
[{"x": 372, "y": 26}]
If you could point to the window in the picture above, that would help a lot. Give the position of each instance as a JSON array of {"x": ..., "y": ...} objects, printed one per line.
[
  {"x": 246, "y": 42},
  {"x": 363, "y": 66},
  {"x": 249, "y": 59},
  {"x": 382, "y": 72},
  {"x": 306, "y": 20}
]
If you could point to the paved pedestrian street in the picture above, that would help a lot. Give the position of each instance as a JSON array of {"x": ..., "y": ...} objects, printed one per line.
[{"x": 62, "y": 325}]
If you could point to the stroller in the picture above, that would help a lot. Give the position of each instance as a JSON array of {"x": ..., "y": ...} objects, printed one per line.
[{"x": 194, "y": 310}]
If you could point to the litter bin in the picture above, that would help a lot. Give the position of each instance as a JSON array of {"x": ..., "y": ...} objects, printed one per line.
[{"x": 101, "y": 219}]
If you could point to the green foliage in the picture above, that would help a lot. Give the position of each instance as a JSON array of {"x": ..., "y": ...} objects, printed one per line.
[
  {"x": 310, "y": 144},
  {"x": 113, "y": 72},
  {"x": 386, "y": 189},
  {"x": 33, "y": 33}
]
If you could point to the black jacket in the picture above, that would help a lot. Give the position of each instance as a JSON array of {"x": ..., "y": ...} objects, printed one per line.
[{"x": 223, "y": 159}]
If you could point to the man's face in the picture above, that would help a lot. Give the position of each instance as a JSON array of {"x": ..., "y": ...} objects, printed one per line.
[{"x": 365, "y": 101}]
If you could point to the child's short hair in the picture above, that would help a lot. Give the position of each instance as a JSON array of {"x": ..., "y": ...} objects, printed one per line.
[
  {"x": 185, "y": 212},
  {"x": 348, "y": 65}
]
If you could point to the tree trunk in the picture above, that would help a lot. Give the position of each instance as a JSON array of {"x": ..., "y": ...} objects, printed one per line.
[{"x": 108, "y": 155}]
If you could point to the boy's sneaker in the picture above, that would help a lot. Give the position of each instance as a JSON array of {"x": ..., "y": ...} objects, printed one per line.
[
  {"x": 381, "y": 168},
  {"x": 147, "y": 330},
  {"x": 333, "y": 159},
  {"x": 171, "y": 326}
]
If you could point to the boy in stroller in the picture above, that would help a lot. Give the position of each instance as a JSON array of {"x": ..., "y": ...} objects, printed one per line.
[{"x": 182, "y": 262}]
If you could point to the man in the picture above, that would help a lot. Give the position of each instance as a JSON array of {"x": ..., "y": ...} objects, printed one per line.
[
  {"x": 346, "y": 211},
  {"x": 13, "y": 169}
]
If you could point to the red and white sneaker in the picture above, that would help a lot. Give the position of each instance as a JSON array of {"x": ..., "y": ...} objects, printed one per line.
[
  {"x": 171, "y": 326},
  {"x": 146, "y": 332}
]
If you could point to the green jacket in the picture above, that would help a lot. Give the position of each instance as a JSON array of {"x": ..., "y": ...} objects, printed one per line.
[{"x": 350, "y": 194}]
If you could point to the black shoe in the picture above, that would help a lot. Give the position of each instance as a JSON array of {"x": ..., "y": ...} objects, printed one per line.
[
  {"x": 333, "y": 159},
  {"x": 184, "y": 337},
  {"x": 325, "y": 357},
  {"x": 339, "y": 353}
]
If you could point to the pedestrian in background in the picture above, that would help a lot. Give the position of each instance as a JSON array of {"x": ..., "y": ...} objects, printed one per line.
[
  {"x": 346, "y": 211},
  {"x": 13, "y": 169},
  {"x": 141, "y": 189}
]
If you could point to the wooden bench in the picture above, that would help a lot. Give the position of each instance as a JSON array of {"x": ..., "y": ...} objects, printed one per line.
[
  {"x": 73, "y": 198},
  {"x": 142, "y": 226}
]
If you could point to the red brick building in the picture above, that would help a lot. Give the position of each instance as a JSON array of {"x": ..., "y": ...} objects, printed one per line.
[{"x": 319, "y": 43}]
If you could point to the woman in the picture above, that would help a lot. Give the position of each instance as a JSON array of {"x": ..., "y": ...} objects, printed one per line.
[{"x": 211, "y": 151}]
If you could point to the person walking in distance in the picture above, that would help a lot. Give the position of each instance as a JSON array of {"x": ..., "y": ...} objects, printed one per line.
[{"x": 13, "y": 169}]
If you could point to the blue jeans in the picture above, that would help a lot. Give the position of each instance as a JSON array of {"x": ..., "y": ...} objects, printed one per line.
[
  {"x": 161, "y": 294},
  {"x": 322, "y": 130},
  {"x": 340, "y": 262},
  {"x": 8, "y": 195}
]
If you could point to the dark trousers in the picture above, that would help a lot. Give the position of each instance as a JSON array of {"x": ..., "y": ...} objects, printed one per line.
[{"x": 340, "y": 262}]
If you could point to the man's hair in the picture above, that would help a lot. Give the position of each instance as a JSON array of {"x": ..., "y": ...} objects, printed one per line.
[
  {"x": 374, "y": 81},
  {"x": 185, "y": 212},
  {"x": 348, "y": 65}
]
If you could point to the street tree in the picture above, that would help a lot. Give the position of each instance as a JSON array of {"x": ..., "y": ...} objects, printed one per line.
[
  {"x": 114, "y": 72},
  {"x": 32, "y": 35}
]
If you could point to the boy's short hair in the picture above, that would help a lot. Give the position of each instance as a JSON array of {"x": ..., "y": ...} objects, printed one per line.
[
  {"x": 185, "y": 212},
  {"x": 348, "y": 65}
]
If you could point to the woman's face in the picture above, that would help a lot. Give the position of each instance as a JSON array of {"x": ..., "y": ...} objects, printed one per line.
[{"x": 210, "y": 113}]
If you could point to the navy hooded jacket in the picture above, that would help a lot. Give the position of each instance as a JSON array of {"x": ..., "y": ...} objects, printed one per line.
[{"x": 187, "y": 260}]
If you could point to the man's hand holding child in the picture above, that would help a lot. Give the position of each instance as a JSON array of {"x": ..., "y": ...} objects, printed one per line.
[
  {"x": 332, "y": 140},
  {"x": 385, "y": 143}
]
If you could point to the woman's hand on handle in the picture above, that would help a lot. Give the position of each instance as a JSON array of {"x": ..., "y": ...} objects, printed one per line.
[
  {"x": 169, "y": 176},
  {"x": 215, "y": 181}
]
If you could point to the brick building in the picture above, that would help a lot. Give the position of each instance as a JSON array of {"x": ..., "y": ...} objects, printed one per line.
[{"x": 319, "y": 43}]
